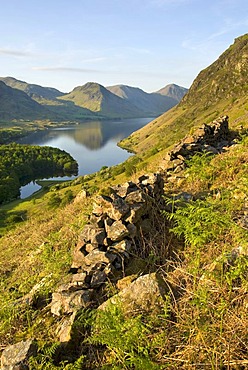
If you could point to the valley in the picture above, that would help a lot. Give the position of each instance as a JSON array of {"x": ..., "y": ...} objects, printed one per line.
[{"x": 142, "y": 264}]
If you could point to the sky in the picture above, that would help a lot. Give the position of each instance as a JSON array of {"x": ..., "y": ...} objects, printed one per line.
[{"x": 141, "y": 43}]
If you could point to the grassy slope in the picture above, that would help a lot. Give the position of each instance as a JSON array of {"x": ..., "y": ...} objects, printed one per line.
[
  {"x": 199, "y": 320},
  {"x": 205, "y": 321},
  {"x": 219, "y": 89}
]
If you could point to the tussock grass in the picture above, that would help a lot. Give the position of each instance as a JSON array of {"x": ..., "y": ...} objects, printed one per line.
[{"x": 38, "y": 249}]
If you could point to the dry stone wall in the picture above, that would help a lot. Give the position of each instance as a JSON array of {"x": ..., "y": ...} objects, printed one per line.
[
  {"x": 107, "y": 241},
  {"x": 106, "y": 244},
  {"x": 212, "y": 138}
]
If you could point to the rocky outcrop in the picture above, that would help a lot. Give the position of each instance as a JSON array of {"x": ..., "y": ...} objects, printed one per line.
[{"x": 16, "y": 357}]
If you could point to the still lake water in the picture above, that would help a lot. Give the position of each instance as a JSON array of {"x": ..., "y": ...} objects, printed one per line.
[{"x": 92, "y": 144}]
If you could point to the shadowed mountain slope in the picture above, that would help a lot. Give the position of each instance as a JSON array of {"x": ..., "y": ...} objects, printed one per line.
[
  {"x": 151, "y": 104},
  {"x": 46, "y": 97},
  {"x": 16, "y": 104},
  {"x": 36, "y": 92}
]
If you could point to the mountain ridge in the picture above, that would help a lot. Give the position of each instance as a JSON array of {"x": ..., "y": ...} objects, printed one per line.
[
  {"x": 93, "y": 100},
  {"x": 34, "y": 91},
  {"x": 78, "y": 270},
  {"x": 153, "y": 103}
]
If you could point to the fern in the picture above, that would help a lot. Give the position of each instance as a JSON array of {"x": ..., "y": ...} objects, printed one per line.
[
  {"x": 125, "y": 338},
  {"x": 199, "y": 222}
]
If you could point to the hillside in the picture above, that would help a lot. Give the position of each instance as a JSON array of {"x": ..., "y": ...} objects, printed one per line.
[
  {"x": 47, "y": 97},
  {"x": 153, "y": 104},
  {"x": 219, "y": 89},
  {"x": 16, "y": 104},
  {"x": 36, "y": 92},
  {"x": 90, "y": 101},
  {"x": 97, "y": 98},
  {"x": 143, "y": 265}
]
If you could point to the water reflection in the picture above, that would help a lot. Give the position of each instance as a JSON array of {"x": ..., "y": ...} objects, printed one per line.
[{"x": 92, "y": 144}]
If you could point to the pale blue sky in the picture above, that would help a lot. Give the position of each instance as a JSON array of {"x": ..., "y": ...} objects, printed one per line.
[{"x": 142, "y": 43}]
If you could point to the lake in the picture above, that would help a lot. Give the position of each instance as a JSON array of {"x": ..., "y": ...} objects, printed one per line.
[{"x": 93, "y": 144}]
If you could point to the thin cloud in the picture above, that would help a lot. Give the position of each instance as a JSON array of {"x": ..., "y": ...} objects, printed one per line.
[
  {"x": 66, "y": 69},
  {"x": 16, "y": 53},
  {"x": 204, "y": 45}
]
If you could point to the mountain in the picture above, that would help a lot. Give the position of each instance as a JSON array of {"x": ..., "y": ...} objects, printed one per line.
[
  {"x": 131, "y": 249},
  {"x": 36, "y": 92},
  {"x": 152, "y": 104},
  {"x": 16, "y": 104},
  {"x": 47, "y": 98},
  {"x": 93, "y": 100},
  {"x": 97, "y": 98},
  {"x": 174, "y": 91},
  {"x": 220, "y": 89}
]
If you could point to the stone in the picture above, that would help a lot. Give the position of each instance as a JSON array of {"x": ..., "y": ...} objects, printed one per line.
[
  {"x": 175, "y": 163},
  {"x": 90, "y": 247},
  {"x": 67, "y": 303},
  {"x": 79, "y": 277},
  {"x": 189, "y": 139},
  {"x": 72, "y": 286},
  {"x": 137, "y": 196},
  {"x": 97, "y": 221},
  {"x": 98, "y": 258},
  {"x": 210, "y": 149},
  {"x": 92, "y": 234},
  {"x": 152, "y": 179},
  {"x": 136, "y": 212},
  {"x": 78, "y": 255},
  {"x": 100, "y": 204},
  {"x": 126, "y": 281},
  {"x": 98, "y": 278},
  {"x": 123, "y": 246},
  {"x": 199, "y": 133},
  {"x": 119, "y": 207},
  {"x": 117, "y": 231},
  {"x": 15, "y": 357},
  {"x": 108, "y": 222},
  {"x": 66, "y": 327},
  {"x": 124, "y": 189},
  {"x": 146, "y": 293}
]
